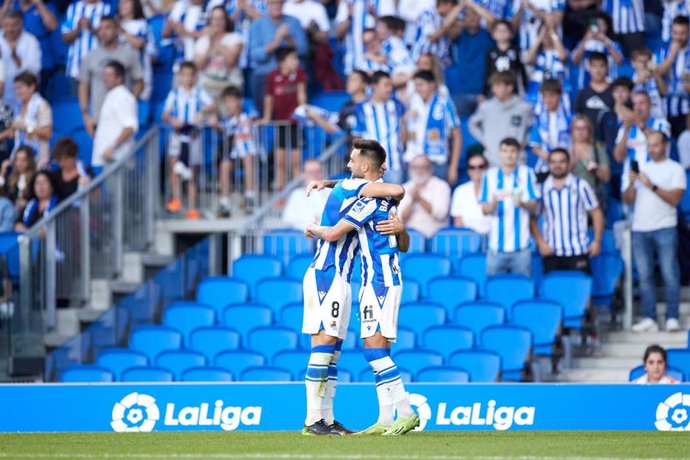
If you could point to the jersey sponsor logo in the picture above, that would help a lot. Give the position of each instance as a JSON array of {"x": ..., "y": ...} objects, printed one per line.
[{"x": 673, "y": 414}]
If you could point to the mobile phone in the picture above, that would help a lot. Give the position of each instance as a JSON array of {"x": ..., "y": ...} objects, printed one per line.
[
  {"x": 635, "y": 166},
  {"x": 594, "y": 25}
]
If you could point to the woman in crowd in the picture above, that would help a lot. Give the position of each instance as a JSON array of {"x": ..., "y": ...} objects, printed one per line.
[
  {"x": 430, "y": 62},
  {"x": 465, "y": 208},
  {"x": 16, "y": 181},
  {"x": 655, "y": 366},
  {"x": 72, "y": 173},
  {"x": 589, "y": 160},
  {"x": 135, "y": 32},
  {"x": 45, "y": 200}
]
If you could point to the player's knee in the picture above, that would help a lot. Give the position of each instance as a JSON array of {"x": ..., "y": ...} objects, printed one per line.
[
  {"x": 376, "y": 341},
  {"x": 323, "y": 339}
]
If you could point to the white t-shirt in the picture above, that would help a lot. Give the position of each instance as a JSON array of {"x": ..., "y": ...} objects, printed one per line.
[
  {"x": 684, "y": 149},
  {"x": 306, "y": 12},
  {"x": 664, "y": 380},
  {"x": 217, "y": 68},
  {"x": 301, "y": 210},
  {"x": 651, "y": 212},
  {"x": 119, "y": 111},
  {"x": 465, "y": 204}
]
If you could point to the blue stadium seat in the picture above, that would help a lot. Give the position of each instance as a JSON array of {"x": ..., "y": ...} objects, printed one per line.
[
  {"x": 209, "y": 341},
  {"x": 571, "y": 289},
  {"x": 332, "y": 101},
  {"x": 450, "y": 291},
  {"x": 116, "y": 360},
  {"x": 85, "y": 143},
  {"x": 219, "y": 291},
  {"x": 299, "y": 264},
  {"x": 672, "y": 372},
  {"x": 447, "y": 339},
  {"x": 178, "y": 361},
  {"x": 607, "y": 268},
  {"x": 537, "y": 268},
  {"x": 608, "y": 241},
  {"x": 417, "y": 242},
  {"x": 482, "y": 365},
  {"x": 425, "y": 267},
  {"x": 680, "y": 359},
  {"x": 291, "y": 316},
  {"x": 416, "y": 360},
  {"x": 406, "y": 340},
  {"x": 162, "y": 82},
  {"x": 186, "y": 316},
  {"x": 206, "y": 374},
  {"x": 292, "y": 360},
  {"x": 351, "y": 341},
  {"x": 286, "y": 243},
  {"x": 237, "y": 361},
  {"x": 144, "y": 113},
  {"x": 685, "y": 200},
  {"x": 67, "y": 117},
  {"x": 478, "y": 315},
  {"x": 86, "y": 373},
  {"x": 419, "y": 316},
  {"x": 513, "y": 344},
  {"x": 473, "y": 266},
  {"x": 278, "y": 292},
  {"x": 508, "y": 289},
  {"x": 252, "y": 268},
  {"x": 354, "y": 362},
  {"x": 266, "y": 374},
  {"x": 411, "y": 290},
  {"x": 614, "y": 212},
  {"x": 442, "y": 374},
  {"x": 147, "y": 374},
  {"x": 543, "y": 319},
  {"x": 243, "y": 317},
  {"x": 151, "y": 340},
  {"x": 455, "y": 243},
  {"x": 271, "y": 340}
]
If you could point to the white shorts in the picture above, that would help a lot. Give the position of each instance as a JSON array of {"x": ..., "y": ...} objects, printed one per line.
[
  {"x": 327, "y": 303},
  {"x": 195, "y": 148},
  {"x": 379, "y": 312}
]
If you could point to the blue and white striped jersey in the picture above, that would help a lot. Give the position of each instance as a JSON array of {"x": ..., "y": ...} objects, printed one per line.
[
  {"x": 597, "y": 46},
  {"x": 139, "y": 28},
  {"x": 86, "y": 40},
  {"x": 564, "y": 215},
  {"x": 501, "y": 9},
  {"x": 382, "y": 121},
  {"x": 547, "y": 64},
  {"x": 627, "y": 15},
  {"x": 637, "y": 139},
  {"x": 339, "y": 254},
  {"x": 530, "y": 22},
  {"x": 186, "y": 105},
  {"x": 379, "y": 253},
  {"x": 651, "y": 87},
  {"x": 428, "y": 23},
  {"x": 509, "y": 223},
  {"x": 399, "y": 59},
  {"x": 672, "y": 8},
  {"x": 551, "y": 130},
  {"x": 370, "y": 66},
  {"x": 239, "y": 129},
  {"x": 677, "y": 101}
]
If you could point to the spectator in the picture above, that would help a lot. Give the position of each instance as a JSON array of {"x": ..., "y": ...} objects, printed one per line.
[
  {"x": 409, "y": 11},
  {"x": 313, "y": 18},
  {"x": 185, "y": 109},
  {"x": 183, "y": 26},
  {"x": 509, "y": 194},
  {"x": 217, "y": 54},
  {"x": 465, "y": 208},
  {"x": 589, "y": 160},
  {"x": 628, "y": 22},
  {"x": 16, "y": 175},
  {"x": 300, "y": 209},
  {"x": 551, "y": 127},
  {"x": 43, "y": 202},
  {"x": 549, "y": 59},
  {"x": 597, "y": 97},
  {"x": 381, "y": 118},
  {"x": 135, "y": 32},
  {"x": 648, "y": 79},
  {"x": 8, "y": 214},
  {"x": 33, "y": 124},
  {"x": 72, "y": 175},
  {"x": 118, "y": 120},
  {"x": 566, "y": 202},
  {"x": 40, "y": 21},
  {"x": 425, "y": 62},
  {"x": 672, "y": 9},
  {"x": 427, "y": 199},
  {"x": 504, "y": 55},
  {"x": 505, "y": 115},
  {"x": 357, "y": 84},
  {"x": 6, "y": 120},
  {"x": 631, "y": 141},
  {"x": 674, "y": 63},
  {"x": 528, "y": 18},
  {"x": 610, "y": 123},
  {"x": 237, "y": 145},
  {"x": 433, "y": 125},
  {"x": 352, "y": 18},
  {"x": 286, "y": 89},
  {"x": 92, "y": 87},
  {"x": 655, "y": 362},
  {"x": 79, "y": 31},
  {"x": 597, "y": 39},
  {"x": 20, "y": 53},
  {"x": 655, "y": 191},
  {"x": 390, "y": 30},
  {"x": 433, "y": 25},
  {"x": 267, "y": 35},
  {"x": 684, "y": 147},
  {"x": 471, "y": 44},
  {"x": 373, "y": 58}
]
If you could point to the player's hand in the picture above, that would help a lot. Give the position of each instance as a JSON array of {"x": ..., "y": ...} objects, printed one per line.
[
  {"x": 308, "y": 232},
  {"x": 594, "y": 248},
  {"x": 544, "y": 249},
  {"x": 392, "y": 226},
  {"x": 315, "y": 185}
]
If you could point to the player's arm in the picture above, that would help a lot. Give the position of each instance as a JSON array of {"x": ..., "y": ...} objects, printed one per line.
[
  {"x": 383, "y": 190},
  {"x": 318, "y": 185},
  {"x": 330, "y": 234},
  {"x": 394, "y": 226}
]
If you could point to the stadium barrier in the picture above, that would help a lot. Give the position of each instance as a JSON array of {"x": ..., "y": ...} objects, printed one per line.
[{"x": 268, "y": 407}]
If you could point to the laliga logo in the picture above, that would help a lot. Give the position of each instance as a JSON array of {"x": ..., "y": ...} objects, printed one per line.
[
  {"x": 674, "y": 413},
  {"x": 136, "y": 412}
]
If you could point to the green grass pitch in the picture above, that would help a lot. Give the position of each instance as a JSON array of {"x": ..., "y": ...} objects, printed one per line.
[{"x": 288, "y": 446}]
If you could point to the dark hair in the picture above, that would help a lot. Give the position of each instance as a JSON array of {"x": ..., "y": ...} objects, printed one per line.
[
  {"x": 476, "y": 155},
  {"x": 232, "y": 91},
  {"x": 504, "y": 22},
  {"x": 597, "y": 56},
  {"x": 283, "y": 52},
  {"x": 228, "y": 23},
  {"x": 49, "y": 175},
  {"x": 27, "y": 78},
  {"x": 117, "y": 67},
  {"x": 681, "y": 20},
  {"x": 642, "y": 51},
  {"x": 426, "y": 75},
  {"x": 393, "y": 23},
  {"x": 623, "y": 81},
  {"x": 511, "y": 142},
  {"x": 378, "y": 76},
  {"x": 109, "y": 18},
  {"x": 654, "y": 349},
  {"x": 372, "y": 150},
  {"x": 187, "y": 65},
  {"x": 65, "y": 147},
  {"x": 369, "y": 29},
  {"x": 14, "y": 14},
  {"x": 446, "y": 2},
  {"x": 551, "y": 85},
  {"x": 560, "y": 150},
  {"x": 505, "y": 76},
  {"x": 643, "y": 93},
  {"x": 363, "y": 75},
  {"x": 138, "y": 10}
]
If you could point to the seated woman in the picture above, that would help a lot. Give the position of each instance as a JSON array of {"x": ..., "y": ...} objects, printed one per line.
[
  {"x": 45, "y": 200},
  {"x": 16, "y": 176},
  {"x": 655, "y": 366},
  {"x": 72, "y": 174}
]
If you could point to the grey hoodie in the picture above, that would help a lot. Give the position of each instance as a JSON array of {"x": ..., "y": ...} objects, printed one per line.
[{"x": 495, "y": 120}]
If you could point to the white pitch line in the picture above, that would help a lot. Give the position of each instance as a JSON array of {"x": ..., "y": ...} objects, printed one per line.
[{"x": 305, "y": 456}]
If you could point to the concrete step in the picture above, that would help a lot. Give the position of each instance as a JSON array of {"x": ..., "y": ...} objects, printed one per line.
[
  {"x": 606, "y": 362},
  {"x": 674, "y": 339},
  {"x": 635, "y": 349},
  {"x": 594, "y": 375}
]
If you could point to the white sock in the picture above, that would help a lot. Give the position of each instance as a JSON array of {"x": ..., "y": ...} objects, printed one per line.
[
  {"x": 327, "y": 407},
  {"x": 316, "y": 380},
  {"x": 386, "y": 407},
  {"x": 225, "y": 201},
  {"x": 389, "y": 380}
]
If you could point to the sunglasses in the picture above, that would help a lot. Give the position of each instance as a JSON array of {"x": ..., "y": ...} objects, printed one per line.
[{"x": 476, "y": 167}]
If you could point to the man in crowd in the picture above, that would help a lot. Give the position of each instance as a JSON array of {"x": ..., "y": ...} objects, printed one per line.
[
  {"x": 597, "y": 97},
  {"x": 20, "y": 53},
  {"x": 674, "y": 62}
]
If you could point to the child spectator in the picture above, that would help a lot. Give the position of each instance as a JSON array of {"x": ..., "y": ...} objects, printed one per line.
[
  {"x": 597, "y": 39},
  {"x": 549, "y": 60},
  {"x": 286, "y": 89},
  {"x": 504, "y": 55},
  {"x": 237, "y": 144},
  {"x": 17, "y": 174},
  {"x": 597, "y": 97},
  {"x": 648, "y": 79},
  {"x": 551, "y": 127},
  {"x": 184, "y": 110}
]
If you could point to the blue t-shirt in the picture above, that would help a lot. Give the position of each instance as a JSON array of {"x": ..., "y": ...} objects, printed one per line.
[{"x": 469, "y": 55}]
